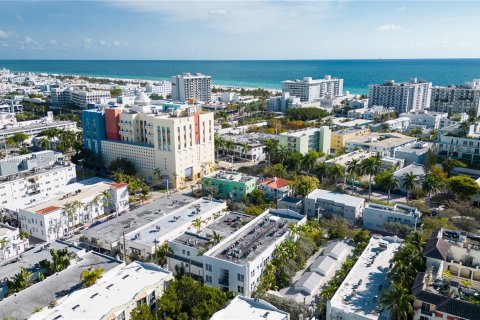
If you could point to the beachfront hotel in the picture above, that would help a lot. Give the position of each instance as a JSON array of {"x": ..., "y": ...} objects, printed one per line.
[
  {"x": 177, "y": 139},
  {"x": 187, "y": 86},
  {"x": 457, "y": 99},
  {"x": 309, "y": 89}
]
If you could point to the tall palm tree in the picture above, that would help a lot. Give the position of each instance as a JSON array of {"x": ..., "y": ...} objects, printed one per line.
[
  {"x": 399, "y": 301},
  {"x": 410, "y": 181},
  {"x": 219, "y": 144},
  {"x": 354, "y": 169},
  {"x": 44, "y": 143},
  {"x": 371, "y": 166},
  {"x": 283, "y": 153},
  {"x": 77, "y": 206},
  {"x": 390, "y": 183},
  {"x": 308, "y": 161},
  {"x": 245, "y": 147},
  {"x": 270, "y": 149},
  {"x": 294, "y": 162},
  {"x": 430, "y": 185},
  {"x": 230, "y": 146},
  {"x": 69, "y": 213},
  {"x": 197, "y": 223},
  {"x": 157, "y": 172},
  {"x": 321, "y": 170},
  {"x": 335, "y": 171}
]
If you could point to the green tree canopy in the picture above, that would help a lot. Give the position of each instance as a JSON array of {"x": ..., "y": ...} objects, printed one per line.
[
  {"x": 463, "y": 187},
  {"x": 124, "y": 165},
  {"x": 305, "y": 184}
]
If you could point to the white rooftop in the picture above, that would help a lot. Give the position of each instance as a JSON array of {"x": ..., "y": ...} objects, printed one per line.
[
  {"x": 309, "y": 282},
  {"x": 323, "y": 265},
  {"x": 360, "y": 292},
  {"x": 242, "y": 308},
  {"x": 116, "y": 288},
  {"x": 301, "y": 133},
  {"x": 335, "y": 197}
]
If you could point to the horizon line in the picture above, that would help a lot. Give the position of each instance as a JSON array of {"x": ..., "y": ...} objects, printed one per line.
[{"x": 237, "y": 60}]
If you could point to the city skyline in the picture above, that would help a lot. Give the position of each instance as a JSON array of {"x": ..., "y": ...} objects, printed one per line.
[{"x": 234, "y": 30}]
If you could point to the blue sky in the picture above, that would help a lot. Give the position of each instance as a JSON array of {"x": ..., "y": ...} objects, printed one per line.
[{"x": 238, "y": 29}]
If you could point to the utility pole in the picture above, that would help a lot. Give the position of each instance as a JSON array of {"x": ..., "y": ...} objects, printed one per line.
[{"x": 124, "y": 249}]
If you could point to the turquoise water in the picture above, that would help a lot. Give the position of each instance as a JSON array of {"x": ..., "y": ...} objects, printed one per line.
[{"x": 358, "y": 74}]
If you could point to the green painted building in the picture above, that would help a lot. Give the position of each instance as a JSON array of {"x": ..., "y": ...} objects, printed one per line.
[
  {"x": 228, "y": 185},
  {"x": 303, "y": 141}
]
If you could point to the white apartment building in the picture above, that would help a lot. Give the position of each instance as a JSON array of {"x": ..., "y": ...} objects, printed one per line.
[
  {"x": 369, "y": 113},
  {"x": 404, "y": 97},
  {"x": 399, "y": 124},
  {"x": 77, "y": 97},
  {"x": 358, "y": 297},
  {"x": 241, "y": 308},
  {"x": 76, "y": 203},
  {"x": 457, "y": 99},
  {"x": 383, "y": 143},
  {"x": 114, "y": 296},
  {"x": 426, "y": 119},
  {"x": 162, "y": 88},
  {"x": 34, "y": 127},
  {"x": 237, "y": 262},
  {"x": 324, "y": 203},
  {"x": 462, "y": 148},
  {"x": 309, "y": 90},
  {"x": 191, "y": 86},
  {"x": 30, "y": 178},
  {"x": 376, "y": 215},
  {"x": 11, "y": 244}
]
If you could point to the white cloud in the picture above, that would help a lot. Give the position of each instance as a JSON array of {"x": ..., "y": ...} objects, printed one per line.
[
  {"x": 117, "y": 43},
  {"x": 402, "y": 8},
  {"x": 87, "y": 42},
  {"x": 4, "y": 35},
  {"x": 389, "y": 27},
  {"x": 218, "y": 12},
  {"x": 28, "y": 40},
  {"x": 102, "y": 42}
]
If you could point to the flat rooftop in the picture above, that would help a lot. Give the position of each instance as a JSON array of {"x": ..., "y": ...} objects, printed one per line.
[
  {"x": 301, "y": 133},
  {"x": 147, "y": 234},
  {"x": 30, "y": 258},
  {"x": 396, "y": 208},
  {"x": 36, "y": 126},
  {"x": 39, "y": 295},
  {"x": 31, "y": 173},
  {"x": 256, "y": 237},
  {"x": 230, "y": 176},
  {"x": 347, "y": 158},
  {"x": 418, "y": 148},
  {"x": 417, "y": 170},
  {"x": 345, "y": 122},
  {"x": 112, "y": 230},
  {"x": 360, "y": 291},
  {"x": 335, "y": 197},
  {"x": 242, "y": 308},
  {"x": 72, "y": 192},
  {"x": 224, "y": 226},
  {"x": 386, "y": 140},
  {"x": 112, "y": 290}
]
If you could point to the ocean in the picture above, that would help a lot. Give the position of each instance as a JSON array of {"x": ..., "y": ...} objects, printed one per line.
[{"x": 357, "y": 74}]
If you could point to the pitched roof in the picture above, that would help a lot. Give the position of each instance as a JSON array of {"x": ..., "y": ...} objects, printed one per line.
[
  {"x": 48, "y": 209},
  {"x": 119, "y": 185},
  {"x": 275, "y": 183},
  {"x": 436, "y": 248}
]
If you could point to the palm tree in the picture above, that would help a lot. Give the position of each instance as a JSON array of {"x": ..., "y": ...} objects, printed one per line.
[
  {"x": 295, "y": 160},
  {"x": 69, "y": 213},
  {"x": 230, "y": 146},
  {"x": 19, "y": 282},
  {"x": 371, "y": 166},
  {"x": 390, "y": 183},
  {"x": 245, "y": 147},
  {"x": 5, "y": 242},
  {"x": 216, "y": 238},
  {"x": 158, "y": 173},
  {"x": 106, "y": 200},
  {"x": 77, "y": 205},
  {"x": 270, "y": 149},
  {"x": 60, "y": 260},
  {"x": 354, "y": 169},
  {"x": 399, "y": 301},
  {"x": 283, "y": 153},
  {"x": 161, "y": 253},
  {"x": 44, "y": 143},
  {"x": 309, "y": 160},
  {"x": 321, "y": 170},
  {"x": 430, "y": 185},
  {"x": 90, "y": 276},
  {"x": 410, "y": 181},
  {"x": 219, "y": 144},
  {"x": 197, "y": 223},
  {"x": 336, "y": 170},
  {"x": 464, "y": 128}
]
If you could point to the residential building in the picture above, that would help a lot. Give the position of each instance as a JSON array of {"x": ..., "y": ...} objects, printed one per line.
[
  {"x": 275, "y": 188},
  {"x": 229, "y": 184},
  {"x": 370, "y": 113},
  {"x": 416, "y": 153},
  {"x": 324, "y": 203},
  {"x": 416, "y": 169},
  {"x": 161, "y": 88},
  {"x": 30, "y": 178},
  {"x": 425, "y": 118},
  {"x": 241, "y": 308},
  {"x": 339, "y": 138},
  {"x": 404, "y": 97},
  {"x": 40, "y": 295},
  {"x": 383, "y": 143},
  {"x": 77, "y": 97},
  {"x": 248, "y": 146},
  {"x": 309, "y": 90},
  {"x": 291, "y": 203},
  {"x": 358, "y": 297},
  {"x": 347, "y": 123},
  {"x": 376, "y": 215},
  {"x": 108, "y": 236},
  {"x": 283, "y": 103},
  {"x": 345, "y": 159},
  {"x": 453, "y": 120},
  {"x": 457, "y": 99},
  {"x": 188, "y": 248},
  {"x": 476, "y": 198},
  {"x": 34, "y": 127},
  {"x": 303, "y": 141},
  {"x": 236, "y": 264},
  {"x": 399, "y": 124},
  {"x": 451, "y": 145},
  {"x": 449, "y": 286},
  {"x": 114, "y": 296},
  {"x": 187, "y": 86},
  {"x": 11, "y": 243},
  {"x": 174, "y": 138},
  {"x": 76, "y": 203}
]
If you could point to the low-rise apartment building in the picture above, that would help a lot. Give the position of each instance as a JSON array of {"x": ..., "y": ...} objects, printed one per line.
[
  {"x": 416, "y": 169},
  {"x": 79, "y": 202},
  {"x": 228, "y": 185},
  {"x": 11, "y": 243},
  {"x": 376, "y": 216},
  {"x": 425, "y": 119},
  {"x": 325, "y": 203},
  {"x": 370, "y": 113},
  {"x": 358, "y": 297},
  {"x": 383, "y": 143},
  {"x": 303, "y": 141},
  {"x": 275, "y": 188},
  {"x": 114, "y": 296},
  {"x": 77, "y": 97},
  {"x": 248, "y": 308},
  {"x": 451, "y": 145},
  {"x": 340, "y": 137},
  {"x": 416, "y": 153}
]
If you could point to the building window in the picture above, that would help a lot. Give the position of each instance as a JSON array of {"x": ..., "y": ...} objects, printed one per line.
[
  {"x": 121, "y": 316},
  {"x": 240, "y": 277},
  {"x": 208, "y": 267},
  {"x": 240, "y": 289},
  {"x": 208, "y": 279}
]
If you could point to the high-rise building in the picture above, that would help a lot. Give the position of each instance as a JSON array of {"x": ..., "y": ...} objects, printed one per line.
[
  {"x": 457, "y": 99},
  {"x": 404, "y": 97},
  {"x": 175, "y": 139},
  {"x": 188, "y": 86},
  {"x": 309, "y": 90}
]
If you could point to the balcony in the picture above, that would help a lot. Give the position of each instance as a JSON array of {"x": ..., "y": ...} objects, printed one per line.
[
  {"x": 224, "y": 281},
  {"x": 426, "y": 312}
]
